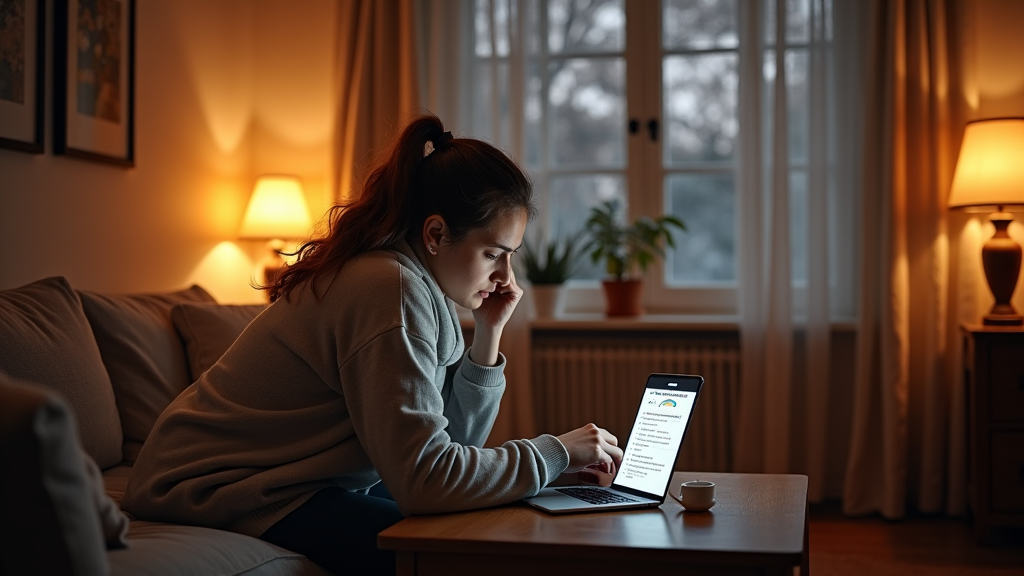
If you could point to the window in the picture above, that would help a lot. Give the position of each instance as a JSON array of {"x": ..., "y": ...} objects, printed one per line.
[{"x": 640, "y": 101}]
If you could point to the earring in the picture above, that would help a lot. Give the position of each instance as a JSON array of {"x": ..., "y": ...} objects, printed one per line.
[{"x": 432, "y": 249}]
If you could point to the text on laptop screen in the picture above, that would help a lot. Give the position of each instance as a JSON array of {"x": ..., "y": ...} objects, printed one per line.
[{"x": 651, "y": 450}]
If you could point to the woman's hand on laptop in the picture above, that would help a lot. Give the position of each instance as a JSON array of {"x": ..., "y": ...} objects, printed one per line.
[
  {"x": 591, "y": 446},
  {"x": 598, "y": 474}
]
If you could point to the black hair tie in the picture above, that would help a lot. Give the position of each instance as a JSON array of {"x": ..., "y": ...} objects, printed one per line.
[{"x": 429, "y": 146}]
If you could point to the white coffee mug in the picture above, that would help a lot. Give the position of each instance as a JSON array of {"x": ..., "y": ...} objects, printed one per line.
[{"x": 697, "y": 495}]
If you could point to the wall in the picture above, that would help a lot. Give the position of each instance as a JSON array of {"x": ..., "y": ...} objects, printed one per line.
[
  {"x": 293, "y": 115},
  {"x": 203, "y": 132},
  {"x": 999, "y": 46}
]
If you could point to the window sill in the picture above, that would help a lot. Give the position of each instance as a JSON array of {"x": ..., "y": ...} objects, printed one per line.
[{"x": 652, "y": 322}]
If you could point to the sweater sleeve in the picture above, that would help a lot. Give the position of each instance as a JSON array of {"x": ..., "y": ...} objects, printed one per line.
[
  {"x": 472, "y": 395},
  {"x": 398, "y": 414}
]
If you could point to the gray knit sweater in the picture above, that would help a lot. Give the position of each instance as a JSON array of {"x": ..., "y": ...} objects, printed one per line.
[{"x": 368, "y": 383}]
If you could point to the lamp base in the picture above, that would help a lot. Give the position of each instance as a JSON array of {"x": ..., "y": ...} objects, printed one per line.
[
  {"x": 1001, "y": 258},
  {"x": 272, "y": 264},
  {"x": 1011, "y": 319}
]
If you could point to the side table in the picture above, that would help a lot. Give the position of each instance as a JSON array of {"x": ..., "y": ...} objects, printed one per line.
[{"x": 994, "y": 377}]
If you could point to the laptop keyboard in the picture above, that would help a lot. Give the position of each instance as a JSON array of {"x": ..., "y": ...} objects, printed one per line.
[{"x": 594, "y": 495}]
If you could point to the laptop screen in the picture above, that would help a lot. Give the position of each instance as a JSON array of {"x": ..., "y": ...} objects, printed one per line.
[{"x": 653, "y": 444}]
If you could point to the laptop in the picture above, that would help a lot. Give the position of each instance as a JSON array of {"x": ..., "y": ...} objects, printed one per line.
[{"x": 649, "y": 456}]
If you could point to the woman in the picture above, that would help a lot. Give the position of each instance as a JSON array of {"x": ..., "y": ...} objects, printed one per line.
[{"x": 357, "y": 374}]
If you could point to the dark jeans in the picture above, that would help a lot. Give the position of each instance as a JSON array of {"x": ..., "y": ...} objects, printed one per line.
[{"x": 338, "y": 530}]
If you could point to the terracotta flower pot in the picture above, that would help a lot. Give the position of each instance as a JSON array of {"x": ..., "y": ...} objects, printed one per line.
[{"x": 622, "y": 298}]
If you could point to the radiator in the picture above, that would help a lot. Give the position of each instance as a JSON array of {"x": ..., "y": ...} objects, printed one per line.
[{"x": 600, "y": 380}]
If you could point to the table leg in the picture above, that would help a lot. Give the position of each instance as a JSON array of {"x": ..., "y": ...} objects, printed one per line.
[{"x": 405, "y": 563}]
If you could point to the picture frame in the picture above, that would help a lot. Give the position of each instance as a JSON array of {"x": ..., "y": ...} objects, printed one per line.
[
  {"x": 94, "y": 80},
  {"x": 22, "y": 74}
]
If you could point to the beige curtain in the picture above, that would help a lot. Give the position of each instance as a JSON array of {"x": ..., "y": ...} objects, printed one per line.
[
  {"x": 377, "y": 85},
  {"x": 907, "y": 424}
]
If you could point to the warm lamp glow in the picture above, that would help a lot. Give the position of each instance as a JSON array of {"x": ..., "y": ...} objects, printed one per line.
[
  {"x": 277, "y": 210},
  {"x": 990, "y": 169},
  {"x": 990, "y": 172}
]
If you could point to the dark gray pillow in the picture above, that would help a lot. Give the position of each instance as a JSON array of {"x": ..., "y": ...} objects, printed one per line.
[
  {"x": 45, "y": 338},
  {"x": 143, "y": 354},
  {"x": 209, "y": 330}
]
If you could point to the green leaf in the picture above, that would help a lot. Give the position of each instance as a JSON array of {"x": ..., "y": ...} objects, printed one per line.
[
  {"x": 555, "y": 262},
  {"x": 624, "y": 248}
]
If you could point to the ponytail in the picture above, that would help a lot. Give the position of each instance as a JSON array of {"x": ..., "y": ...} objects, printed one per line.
[{"x": 425, "y": 171}]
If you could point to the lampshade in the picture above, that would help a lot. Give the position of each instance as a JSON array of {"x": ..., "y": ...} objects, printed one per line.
[
  {"x": 990, "y": 169},
  {"x": 277, "y": 210}
]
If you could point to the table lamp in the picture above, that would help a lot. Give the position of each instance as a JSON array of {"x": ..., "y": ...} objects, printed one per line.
[
  {"x": 990, "y": 173},
  {"x": 277, "y": 212}
]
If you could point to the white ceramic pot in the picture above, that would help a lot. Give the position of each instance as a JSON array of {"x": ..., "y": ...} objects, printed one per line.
[{"x": 548, "y": 299}]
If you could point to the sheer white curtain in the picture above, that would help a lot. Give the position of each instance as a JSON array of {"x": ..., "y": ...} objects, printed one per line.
[
  {"x": 446, "y": 70},
  {"x": 772, "y": 308}
]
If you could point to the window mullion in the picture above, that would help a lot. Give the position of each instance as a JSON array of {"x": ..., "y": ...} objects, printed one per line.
[{"x": 643, "y": 90}]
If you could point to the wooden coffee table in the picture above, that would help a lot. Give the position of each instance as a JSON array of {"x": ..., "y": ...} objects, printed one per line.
[{"x": 758, "y": 526}]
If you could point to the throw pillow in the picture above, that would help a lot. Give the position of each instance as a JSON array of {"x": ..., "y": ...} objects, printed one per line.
[
  {"x": 57, "y": 518},
  {"x": 209, "y": 330},
  {"x": 45, "y": 338},
  {"x": 143, "y": 354}
]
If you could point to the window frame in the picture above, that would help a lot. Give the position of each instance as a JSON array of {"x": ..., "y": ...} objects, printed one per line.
[{"x": 644, "y": 171}]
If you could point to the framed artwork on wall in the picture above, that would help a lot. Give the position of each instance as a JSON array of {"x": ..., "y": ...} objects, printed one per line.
[
  {"x": 94, "y": 80},
  {"x": 22, "y": 68}
]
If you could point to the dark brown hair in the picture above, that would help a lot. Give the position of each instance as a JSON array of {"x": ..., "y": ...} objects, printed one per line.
[{"x": 467, "y": 182}]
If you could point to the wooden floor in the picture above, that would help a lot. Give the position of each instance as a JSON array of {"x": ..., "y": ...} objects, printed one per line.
[{"x": 917, "y": 545}]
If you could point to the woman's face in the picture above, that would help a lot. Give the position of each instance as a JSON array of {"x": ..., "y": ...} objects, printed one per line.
[{"x": 470, "y": 270}]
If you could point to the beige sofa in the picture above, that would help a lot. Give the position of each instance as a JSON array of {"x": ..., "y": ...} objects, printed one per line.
[{"x": 83, "y": 377}]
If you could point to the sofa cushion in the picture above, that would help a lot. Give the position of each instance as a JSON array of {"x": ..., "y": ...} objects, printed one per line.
[
  {"x": 56, "y": 517},
  {"x": 158, "y": 549},
  {"x": 45, "y": 338},
  {"x": 143, "y": 354},
  {"x": 209, "y": 330}
]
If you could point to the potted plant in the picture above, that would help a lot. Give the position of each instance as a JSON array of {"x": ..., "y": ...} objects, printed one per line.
[
  {"x": 626, "y": 249},
  {"x": 547, "y": 269}
]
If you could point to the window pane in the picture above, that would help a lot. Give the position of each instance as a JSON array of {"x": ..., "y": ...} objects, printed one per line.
[
  {"x": 580, "y": 26},
  {"x": 706, "y": 252},
  {"x": 699, "y": 24},
  {"x": 587, "y": 111},
  {"x": 700, "y": 107},
  {"x": 570, "y": 201}
]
